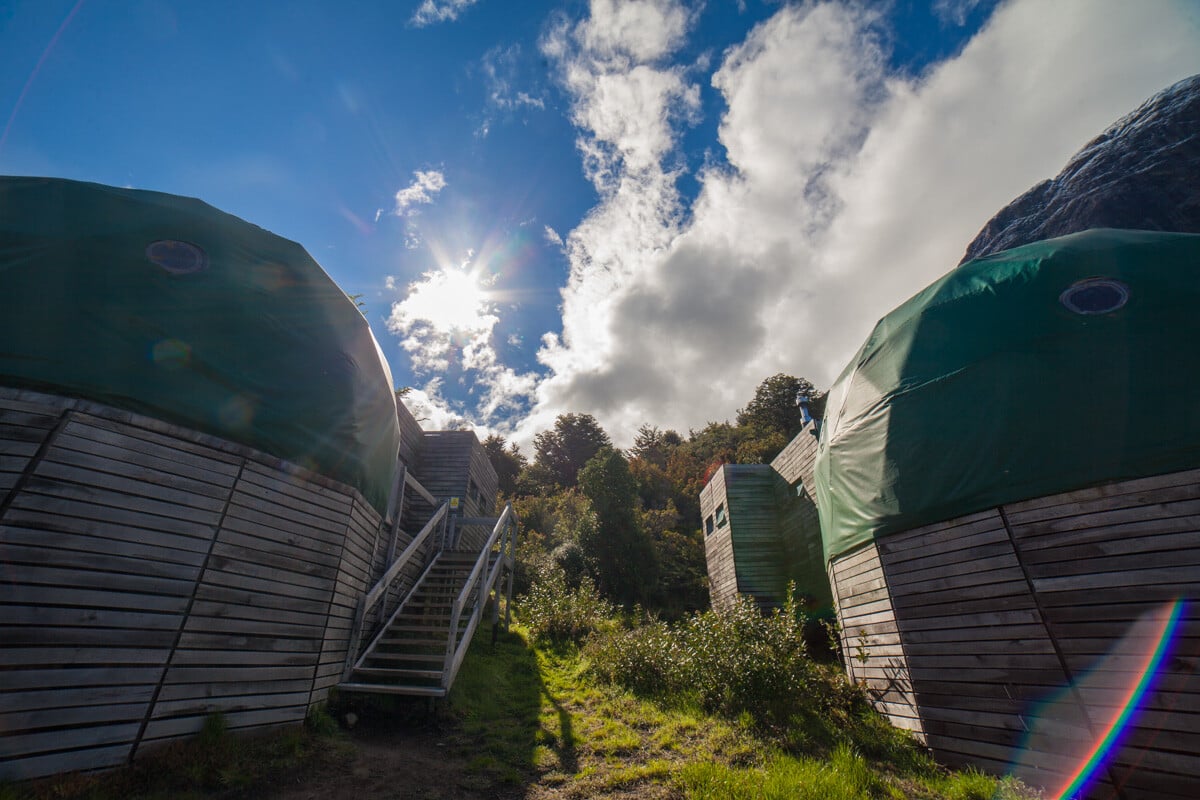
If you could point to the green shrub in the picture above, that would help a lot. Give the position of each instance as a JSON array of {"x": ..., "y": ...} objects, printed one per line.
[
  {"x": 733, "y": 661},
  {"x": 739, "y": 660},
  {"x": 644, "y": 659},
  {"x": 554, "y": 612}
]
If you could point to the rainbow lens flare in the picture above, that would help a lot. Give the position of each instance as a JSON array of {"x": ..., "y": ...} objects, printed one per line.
[{"x": 1077, "y": 732}]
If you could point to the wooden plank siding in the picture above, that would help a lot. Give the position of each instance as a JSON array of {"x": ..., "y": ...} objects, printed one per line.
[
  {"x": 759, "y": 556},
  {"x": 763, "y": 546},
  {"x": 1022, "y": 629},
  {"x": 454, "y": 464},
  {"x": 799, "y": 522},
  {"x": 796, "y": 461},
  {"x": 1104, "y": 562},
  {"x": 871, "y": 643},
  {"x": 153, "y": 575},
  {"x": 718, "y": 543}
]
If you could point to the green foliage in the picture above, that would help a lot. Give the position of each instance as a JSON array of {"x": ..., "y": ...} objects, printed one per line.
[
  {"x": 775, "y": 407},
  {"x": 654, "y": 446},
  {"x": 320, "y": 722},
  {"x": 731, "y": 662},
  {"x": 553, "y": 526},
  {"x": 561, "y": 452},
  {"x": 622, "y": 557},
  {"x": 507, "y": 460},
  {"x": 554, "y": 612}
]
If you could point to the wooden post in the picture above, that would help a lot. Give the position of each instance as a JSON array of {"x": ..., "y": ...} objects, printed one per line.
[{"x": 512, "y": 568}]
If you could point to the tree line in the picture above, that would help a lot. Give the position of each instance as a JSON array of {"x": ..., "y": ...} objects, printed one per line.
[{"x": 629, "y": 521}]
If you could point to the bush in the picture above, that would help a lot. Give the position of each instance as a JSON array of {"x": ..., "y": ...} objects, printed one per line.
[
  {"x": 732, "y": 662},
  {"x": 554, "y": 612},
  {"x": 642, "y": 659},
  {"x": 743, "y": 661}
]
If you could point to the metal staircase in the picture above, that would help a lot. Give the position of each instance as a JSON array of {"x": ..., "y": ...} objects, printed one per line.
[{"x": 418, "y": 647}]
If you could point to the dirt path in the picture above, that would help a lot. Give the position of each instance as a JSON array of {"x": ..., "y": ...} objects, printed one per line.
[{"x": 398, "y": 764}]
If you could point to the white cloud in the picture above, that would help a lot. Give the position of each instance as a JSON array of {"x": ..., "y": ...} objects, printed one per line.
[
  {"x": 954, "y": 11},
  {"x": 847, "y": 189},
  {"x": 432, "y": 11},
  {"x": 446, "y": 318},
  {"x": 499, "y": 67},
  {"x": 552, "y": 236},
  {"x": 426, "y": 184}
]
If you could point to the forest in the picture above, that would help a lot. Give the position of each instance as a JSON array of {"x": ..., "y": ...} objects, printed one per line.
[{"x": 629, "y": 521}]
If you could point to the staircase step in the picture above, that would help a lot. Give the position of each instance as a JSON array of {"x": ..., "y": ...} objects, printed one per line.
[
  {"x": 426, "y": 629},
  {"x": 431, "y": 658},
  {"x": 387, "y": 672},
  {"x": 402, "y": 642},
  {"x": 389, "y": 688}
]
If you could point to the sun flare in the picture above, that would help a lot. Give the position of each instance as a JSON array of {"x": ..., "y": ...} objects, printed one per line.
[{"x": 450, "y": 300}]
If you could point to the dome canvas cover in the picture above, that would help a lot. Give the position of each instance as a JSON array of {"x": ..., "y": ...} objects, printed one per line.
[
  {"x": 166, "y": 306},
  {"x": 1053, "y": 366}
]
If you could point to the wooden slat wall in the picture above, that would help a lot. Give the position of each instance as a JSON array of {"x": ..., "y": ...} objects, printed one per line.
[
  {"x": 153, "y": 575},
  {"x": 411, "y": 436},
  {"x": 758, "y": 553},
  {"x": 718, "y": 545},
  {"x": 1100, "y": 560},
  {"x": 355, "y": 576},
  {"x": 977, "y": 647},
  {"x": 996, "y": 613},
  {"x": 448, "y": 459},
  {"x": 795, "y": 462},
  {"x": 871, "y": 639}
]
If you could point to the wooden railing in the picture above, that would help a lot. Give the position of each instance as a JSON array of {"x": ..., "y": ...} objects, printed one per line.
[
  {"x": 380, "y": 590},
  {"x": 475, "y": 591}
]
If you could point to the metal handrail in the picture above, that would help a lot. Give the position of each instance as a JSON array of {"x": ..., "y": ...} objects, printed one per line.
[{"x": 456, "y": 648}]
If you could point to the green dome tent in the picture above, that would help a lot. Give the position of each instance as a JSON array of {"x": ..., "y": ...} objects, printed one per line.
[
  {"x": 165, "y": 306},
  {"x": 1054, "y": 366}
]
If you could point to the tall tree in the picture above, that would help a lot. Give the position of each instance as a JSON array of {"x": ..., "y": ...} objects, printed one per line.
[
  {"x": 621, "y": 554},
  {"x": 507, "y": 460},
  {"x": 562, "y": 451},
  {"x": 655, "y": 446},
  {"x": 776, "y": 406}
]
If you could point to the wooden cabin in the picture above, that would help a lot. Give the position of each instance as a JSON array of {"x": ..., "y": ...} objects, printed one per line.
[
  {"x": 202, "y": 472},
  {"x": 454, "y": 464},
  {"x": 761, "y": 531},
  {"x": 1008, "y": 490}
]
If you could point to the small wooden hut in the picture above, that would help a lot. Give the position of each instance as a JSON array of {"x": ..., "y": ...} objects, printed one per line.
[
  {"x": 1008, "y": 490},
  {"x": 762, "y": 531}
]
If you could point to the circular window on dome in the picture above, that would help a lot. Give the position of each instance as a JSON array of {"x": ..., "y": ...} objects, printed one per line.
[
  {"x": 176, "y": 257},
  {"x": 1092, "y": 296}
]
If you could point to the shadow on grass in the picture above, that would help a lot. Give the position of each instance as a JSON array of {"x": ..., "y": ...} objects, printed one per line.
[
  {"x": 496, "y": 707},
  {"x": 488, "y": 735}
]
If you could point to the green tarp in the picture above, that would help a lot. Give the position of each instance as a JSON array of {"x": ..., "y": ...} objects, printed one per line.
[
  {"x": 1014, "y": 377},
  {"x": 166, "y": 306}
]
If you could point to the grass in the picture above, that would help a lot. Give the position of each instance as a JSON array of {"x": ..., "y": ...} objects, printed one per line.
[{"x": 543, "y": 719}]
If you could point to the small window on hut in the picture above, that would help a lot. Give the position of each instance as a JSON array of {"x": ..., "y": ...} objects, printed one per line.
[
  {"x": 708, "y": 525},
  {"x": 721, "y": 518}
]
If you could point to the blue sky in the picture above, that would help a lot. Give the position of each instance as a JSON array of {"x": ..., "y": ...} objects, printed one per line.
[{"x": 634, "y": 209}]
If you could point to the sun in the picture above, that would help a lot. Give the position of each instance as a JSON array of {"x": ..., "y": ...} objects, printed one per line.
[{"x": 451, "y": 300}]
